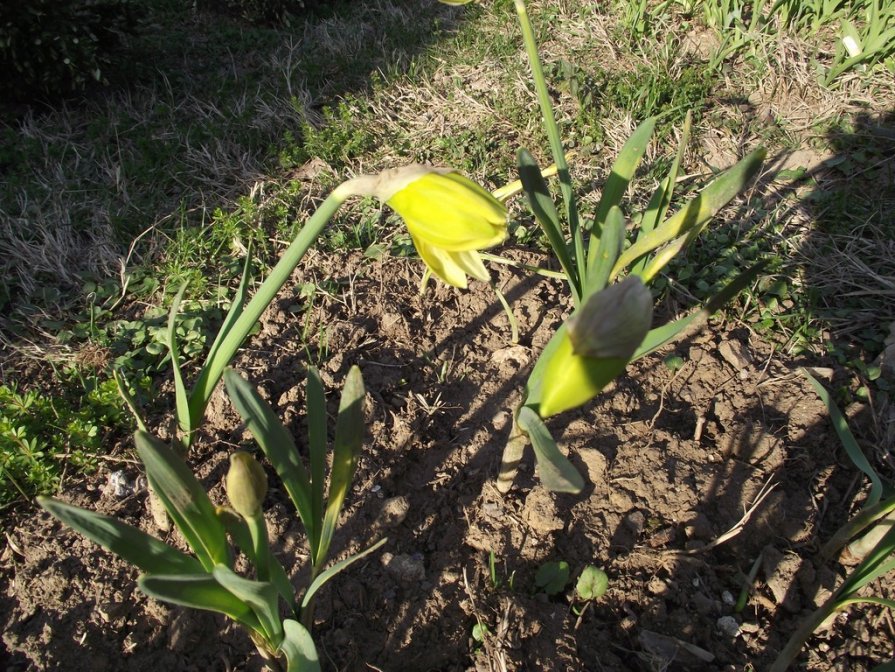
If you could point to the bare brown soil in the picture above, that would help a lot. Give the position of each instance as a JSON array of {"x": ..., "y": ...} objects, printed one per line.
[{"x": 673, "y": 460}]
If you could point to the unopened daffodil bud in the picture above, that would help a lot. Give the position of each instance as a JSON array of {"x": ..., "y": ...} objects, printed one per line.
[
  {"x": 599, "y": 340},
  {"x": 246, "y": 484},
  {"x": 449, "y": 217}
]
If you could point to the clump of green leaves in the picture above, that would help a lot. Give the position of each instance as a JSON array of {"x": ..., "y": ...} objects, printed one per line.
[
  {"x": 872, "y": 536},
  {"x": 61, "y": 45},
  {"x": 43, "y": 434}
]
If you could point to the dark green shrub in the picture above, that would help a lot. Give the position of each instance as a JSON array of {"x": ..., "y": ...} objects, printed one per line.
[{"x": 59, "y": 46}]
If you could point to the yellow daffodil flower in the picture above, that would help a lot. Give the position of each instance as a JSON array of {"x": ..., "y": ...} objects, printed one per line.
[
  {"x": 449, "y": 217},
  {"x": 597, "y": 343}
]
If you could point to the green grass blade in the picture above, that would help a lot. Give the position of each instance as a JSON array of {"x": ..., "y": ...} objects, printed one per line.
[
  {"x": 609, "y": 247},
  {"x": 346, "y": 450},
  {"x": 855, "y": 454},
  {"x": 298, "y": 647},
  {"x": 276, "y": 442},
  {"x": 697, "y": 212},
  {"x": 126, "y": 541},
  {"x": 199, "y": 591},
  {"x": 541, "y": 203},
  {"x": 557, "y": 473},
  {"x": 185, "y": 500},
  {"x": 316, "y": 416},
  {"x": 617, "y": 183},
  {"x": 130, "y": 402},
  {"x": 184, "y": 416},
  {"x": 325, "y": 576},
  {"x": 260, "y": 596}
]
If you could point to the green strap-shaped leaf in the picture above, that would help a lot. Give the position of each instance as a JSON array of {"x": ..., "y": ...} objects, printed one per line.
[
  {"x": 316, "y": 405},
  {"x": 542, "y": 206},
  {"x": 346, "y": 449},
  {"x": 855, "y": 454},
  {"x": 238, "y": 529},
  {"x": 260, "y": 596},
  {"x": 325, "y": 576},
  {"x": 557, "y": 473},
  {"x": 126, "y": 541},
  {"x": 609, "y": 247},
  {"x": 659, "y": 336},
  {"x": 276, "y": 442},
  {"x": 299, "y": 649},
  {"x": 236, "y": 307},
  {"x": 880, "y": 561},
  {"x": 185, "y": 500},
  {"x": 617, "y": 183},
  {"x": 658, "y": 206},
  {"x": 199, "y": 591},
  {"x": 698, "y": 211},
  {"x": 184, "y": 418}
]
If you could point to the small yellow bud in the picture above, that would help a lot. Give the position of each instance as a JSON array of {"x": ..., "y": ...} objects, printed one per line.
[
  {"x": 599, "y": 341},
  {"x": 246, "y": 484}
]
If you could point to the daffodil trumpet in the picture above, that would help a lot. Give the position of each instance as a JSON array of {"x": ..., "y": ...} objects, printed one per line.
[{"x": 449, "y": 217}]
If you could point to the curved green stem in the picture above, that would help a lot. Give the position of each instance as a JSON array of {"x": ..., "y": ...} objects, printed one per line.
[
  {"x": 537, "y": 270},
  {"x": 559, "y": 157},
  {"x": 213, "y": 370}
]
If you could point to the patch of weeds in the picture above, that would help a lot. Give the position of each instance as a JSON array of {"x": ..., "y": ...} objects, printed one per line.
[
  {"x": 650, "y": 89},
  {"x": 43, "y": 436}
]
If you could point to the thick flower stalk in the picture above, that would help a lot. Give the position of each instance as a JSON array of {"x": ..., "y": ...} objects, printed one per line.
[
  {"x": 449, "y": 217},
  {"x": 598, "y": 341}
]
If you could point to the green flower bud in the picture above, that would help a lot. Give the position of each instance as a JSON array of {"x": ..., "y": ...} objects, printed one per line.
[
  {"x": 246, "y": 484},
  {"x": 598, "y": 343}
]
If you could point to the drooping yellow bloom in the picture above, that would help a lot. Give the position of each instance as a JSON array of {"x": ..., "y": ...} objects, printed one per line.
[{"x": 449, "y": 217}]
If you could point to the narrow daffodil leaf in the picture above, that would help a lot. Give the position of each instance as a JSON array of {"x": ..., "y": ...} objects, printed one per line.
[
  {"x": 260, "y": 596},
  {"x": 185, "y": 500},
  {"x": 542, "y": 206},
  {"x": 658, "y": 206},
  {"x": 199, "y": 591},
  {"x": 276, "y": 442},
  {"x": 184, "y": 418},
  {"x": 236, "y": 308},
  {"x": 325, "y": 576},
  {"x": 124, "y": 391},
  {"x": 238, "y": 529},
  {"x": 557, "y": 473},
  {"x": 698, "y": 211},
  {"x": 865, "y": 519},
  {"x": 880, "y": 561},
  {"x": 316, "y": 417},
  {"x": 617, "y": 183},
  {"x": 609, "y": 247},
  {"x": 659, "y": 336},
  {"x": 126, "y": 541},
  {"x": 298, "y": 647},
  {"x": 346, "y": 450},
  {"x": 855, "y": 454}
]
